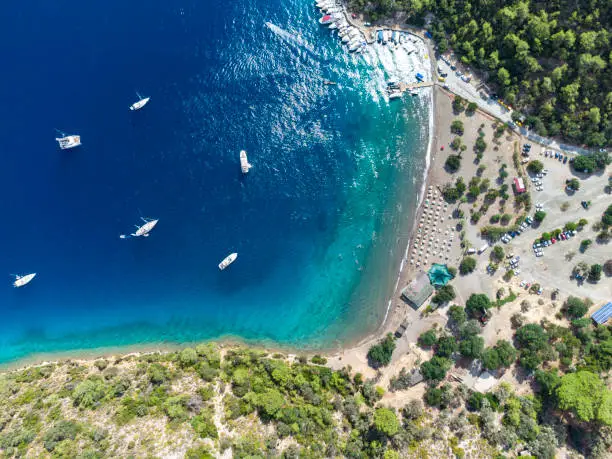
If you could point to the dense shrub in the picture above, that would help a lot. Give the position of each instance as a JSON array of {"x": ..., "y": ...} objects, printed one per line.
[
  {"x": 575, "y": 308},
  {"x": 467, "y": 265},
  {"x": 435, "y": 369},
  {"x": 453, "y": 163},
  {"x": 477, "y": 305},
  {"x": 380, "y": 354},
  {"x": 386, "y": 422},
  {"x": 428, "y": 338},
  {"x": 535, "y": 167},
  {"x": 88, "y": 393},
  {"x": 444, "y": 294}
]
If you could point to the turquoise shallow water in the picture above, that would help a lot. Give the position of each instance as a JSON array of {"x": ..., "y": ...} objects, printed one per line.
[{"x": 320, "y": 223}]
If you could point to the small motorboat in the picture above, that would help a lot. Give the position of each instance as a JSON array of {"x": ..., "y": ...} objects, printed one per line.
[
  {"x": 329, "y": 83},
  {"x": 244, "y": 162},
  {"x": 141, "y": 103},
  {"x": 355, "y": 45},
  {"x": 68, "y": 141},
  {"x": 20, "y": 281},
  {"x": 228, "y": 261},
  {"x": 326, "y": 19},
  {"x": 395, "y": 95},
  {"x": 143, "y": 230}
]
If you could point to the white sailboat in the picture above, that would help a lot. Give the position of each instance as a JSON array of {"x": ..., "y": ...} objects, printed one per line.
[
  {"x": 143, "y": 230},
  {"x": 68, "y": 141},
  {"x": 228, "y": 261},
  {"x": 141, "y": 103},
  {"x": 20, "y": 281},
  {"x": 244, "y": 162}
]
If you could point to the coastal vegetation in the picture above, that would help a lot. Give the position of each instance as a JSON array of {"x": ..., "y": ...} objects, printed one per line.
[{"x": 549, "y": 60}]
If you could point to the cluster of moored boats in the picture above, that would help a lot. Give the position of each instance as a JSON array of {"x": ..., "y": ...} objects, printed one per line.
[
  {"x": 334, "y": 17},
  {"x": 67, "y": 142},
  {"x": 394, "y": 37}
]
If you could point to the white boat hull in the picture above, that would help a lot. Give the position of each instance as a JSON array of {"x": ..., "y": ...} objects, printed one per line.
[
  {"x": 244, "y": 162},
  {"x": 228, "y": 261},
  {"x": 69, "y": 141},
  {"x": 20, "y": 281},
  {"x": 145, "y": 229},
  {"x": 141, "y": 103}
]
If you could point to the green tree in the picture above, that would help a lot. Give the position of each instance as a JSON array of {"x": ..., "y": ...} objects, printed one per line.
[
  {"x": 532, "y": 337},
  {"x": 497, "y": 254},
  {"x": 574, "y": 183},
  {"x": 458, "y": 104},
  {"x": 503, "y": 77},
  {"x": 269, "y": 402},
  {"x": 477, "y": 304},
  {"x": 480, "y": 145},
  {"x": 188, "y": 357},
  {"x": 539, "y": 216},
  {"x": 575, "y": 308},
  {"x": 471, "y": 108},
  {"x": 490, "y": 359},
  {"x": 472, "y": 347},
  {"x": 446, "y": 346},
  {"x": 506, "y": 352},
  {"x": 595, "y": 273},
  {"x": 467, "y": 265},
  {"x": 453, "y": 163},
  {"x": 428, "y": 338},
  {"x": 535, "y": 167},
  {"x": 444, "y": 294},
  {"x": 457, "y": 127},
  {"x": 457, "y": 315},
  {"x": 386, "y": 422},
  {"x": 435, "y": 369},
  {"x": 88, "y": 393},
  {"x": 380, "y": 354},
  {"x": 586, "y": 395}
]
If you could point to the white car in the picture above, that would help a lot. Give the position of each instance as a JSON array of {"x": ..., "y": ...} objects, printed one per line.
[{"x": 523, "y": 283}]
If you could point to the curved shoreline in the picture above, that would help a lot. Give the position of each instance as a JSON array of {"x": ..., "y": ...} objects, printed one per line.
[{"x": 354, "y": 342}]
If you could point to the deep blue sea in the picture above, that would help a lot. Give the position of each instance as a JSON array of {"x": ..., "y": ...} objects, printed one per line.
[{"x": 320, "y": 223}]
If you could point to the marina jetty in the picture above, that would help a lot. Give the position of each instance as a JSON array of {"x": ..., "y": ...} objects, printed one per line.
[{"x": 358, "y": 36}]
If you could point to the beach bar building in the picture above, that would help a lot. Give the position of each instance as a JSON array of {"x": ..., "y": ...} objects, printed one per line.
[
  {"x": 417, "y": 291},
  {"x": 602, "y": 315},
  {"x": 519, "y": 186}
]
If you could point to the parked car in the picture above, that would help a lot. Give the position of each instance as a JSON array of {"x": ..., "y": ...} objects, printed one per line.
[
  {"x": 565, "y": 160},
  {"x": 553, "y": 240}
]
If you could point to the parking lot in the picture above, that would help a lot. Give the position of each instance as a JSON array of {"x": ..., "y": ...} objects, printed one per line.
[{"x": 550, "y": 263}]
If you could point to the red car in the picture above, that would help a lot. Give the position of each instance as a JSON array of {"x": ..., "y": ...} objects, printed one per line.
[
  {"x": 553, "y": 240},
  {"x": 562, "y": 236}
]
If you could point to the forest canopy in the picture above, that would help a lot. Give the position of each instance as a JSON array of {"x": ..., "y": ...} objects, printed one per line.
[{"x": 549, "y": 60}]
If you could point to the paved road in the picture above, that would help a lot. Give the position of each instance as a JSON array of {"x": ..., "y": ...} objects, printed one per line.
[{"x": 468, "y": 91}]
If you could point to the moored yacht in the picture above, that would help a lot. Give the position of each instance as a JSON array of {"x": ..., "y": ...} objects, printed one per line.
[
  {"x": 244, "y": 162},
  {"x": 20, "y": 281},
  {"x": 228, "y": 261},
  {"x": 140, "y": 103},
  {"x": 68, "y": 141},
  {"x": 143, "y": 230}
]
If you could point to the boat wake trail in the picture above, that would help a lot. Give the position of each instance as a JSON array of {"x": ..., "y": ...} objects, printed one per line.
[{"x": 295, "y": 40}]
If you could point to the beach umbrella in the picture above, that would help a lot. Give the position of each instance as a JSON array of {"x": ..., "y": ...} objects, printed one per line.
[{"x": 439, "y": 275}]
